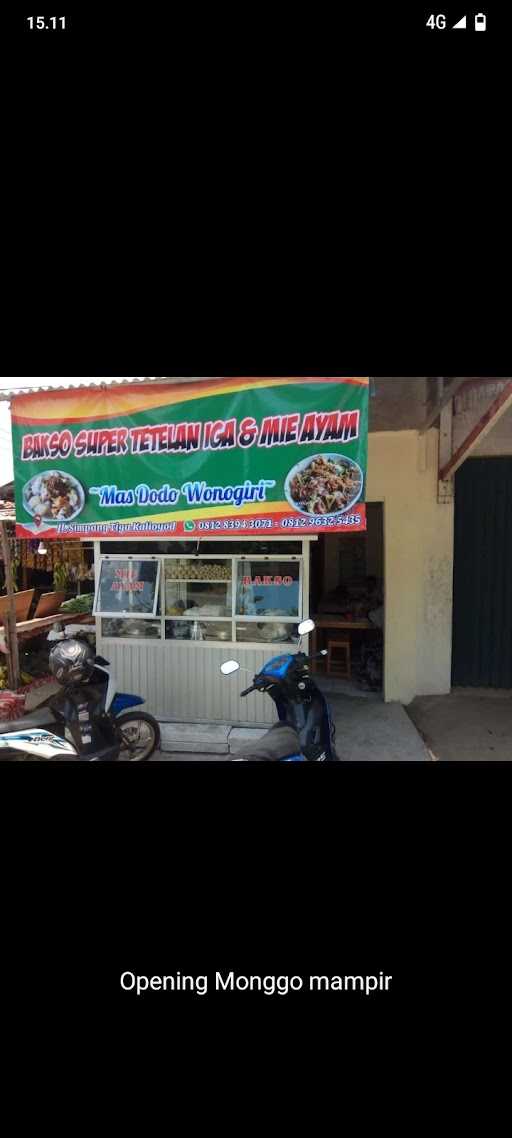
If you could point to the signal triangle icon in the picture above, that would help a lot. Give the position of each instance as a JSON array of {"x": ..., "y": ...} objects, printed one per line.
[{"x": 461, "y": 24}]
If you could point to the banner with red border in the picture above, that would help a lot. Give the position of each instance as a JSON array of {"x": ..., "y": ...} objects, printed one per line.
[{"x": 273, "y": 455}]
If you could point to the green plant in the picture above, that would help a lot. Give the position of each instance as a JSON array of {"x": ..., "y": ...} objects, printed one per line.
[{"x": 60, "y": 577}]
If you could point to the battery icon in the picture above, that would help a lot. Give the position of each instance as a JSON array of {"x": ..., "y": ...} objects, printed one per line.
[{"x": 480, "y": 22}]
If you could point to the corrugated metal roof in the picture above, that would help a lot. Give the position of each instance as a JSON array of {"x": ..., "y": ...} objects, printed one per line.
[{"x": 6, "y": 393}]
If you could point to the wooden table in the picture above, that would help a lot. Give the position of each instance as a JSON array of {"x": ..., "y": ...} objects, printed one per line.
[{"x": 326, "y": 621}]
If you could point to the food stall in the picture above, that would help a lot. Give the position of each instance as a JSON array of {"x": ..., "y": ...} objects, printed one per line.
[
  {"x": 201, "y": 499},
  {"x": 197, "y": 608}
]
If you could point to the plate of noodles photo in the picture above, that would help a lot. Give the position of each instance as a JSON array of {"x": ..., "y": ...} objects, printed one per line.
[
  {"x": 324, "y": 485},
  {"x": 54, "y": 496}
]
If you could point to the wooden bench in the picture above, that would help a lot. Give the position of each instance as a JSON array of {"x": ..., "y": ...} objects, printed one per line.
[
  {"x": 22, "y": 602},
  {"x": 49, "y": 604}
]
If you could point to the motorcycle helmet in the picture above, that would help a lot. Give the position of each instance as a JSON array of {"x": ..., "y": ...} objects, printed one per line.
[{"x": 72, "y": 661}]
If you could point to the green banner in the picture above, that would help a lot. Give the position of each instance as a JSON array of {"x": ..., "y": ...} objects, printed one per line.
[{"x": 284, "y": 455}]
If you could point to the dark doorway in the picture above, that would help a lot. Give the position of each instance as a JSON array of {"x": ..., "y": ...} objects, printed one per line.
[
  {"x": 482, "y": 586},
  {"x": 347, "y": 603}
]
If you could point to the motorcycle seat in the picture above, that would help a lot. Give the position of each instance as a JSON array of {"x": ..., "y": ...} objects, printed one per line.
[{"x": 278, "y": 744}]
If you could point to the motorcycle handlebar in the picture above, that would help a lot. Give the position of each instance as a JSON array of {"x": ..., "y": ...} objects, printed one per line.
[{"x": 254, "y": 687}]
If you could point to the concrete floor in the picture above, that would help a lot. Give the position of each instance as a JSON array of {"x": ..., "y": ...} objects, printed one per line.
[
  {"x": 366, "y": 731},
  {"x": 373, "y": 731},
  {"x": 336, "y": 685},
  {"x": 366, "y": 728},
  {"x": 469, "y": 724}
]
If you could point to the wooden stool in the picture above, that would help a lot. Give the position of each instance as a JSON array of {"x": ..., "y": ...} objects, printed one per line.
[{"x": 339, "y": 667}]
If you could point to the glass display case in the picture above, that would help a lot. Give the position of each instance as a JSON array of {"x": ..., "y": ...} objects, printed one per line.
[
  {"x": 198, "y": 630},
  {"x": 198, "y": 588},
  {"x": 198, "y": 594},
  {"x": 205, "y": 599},
  {"x": 206, "y": 569},
  {"x": 128, "y": 587},
  {"x": 268, "y": 632},
  {"x": 132, "y": 628},
  {"x": 268, "y": 588}
]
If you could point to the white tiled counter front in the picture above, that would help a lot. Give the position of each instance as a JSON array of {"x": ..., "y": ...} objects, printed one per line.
[{"x": 240, "y": 594}]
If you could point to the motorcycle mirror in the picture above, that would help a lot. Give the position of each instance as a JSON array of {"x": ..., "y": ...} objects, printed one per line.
[
  {"x": 306, "y": 627},
  {"x": 229, "y": 667}
]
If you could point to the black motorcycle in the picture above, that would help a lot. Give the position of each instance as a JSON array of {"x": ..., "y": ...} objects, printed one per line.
[{"x": 89, "y": 714}]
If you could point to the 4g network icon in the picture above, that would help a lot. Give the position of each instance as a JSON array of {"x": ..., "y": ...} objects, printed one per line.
[{"x": 439, "y": 21}]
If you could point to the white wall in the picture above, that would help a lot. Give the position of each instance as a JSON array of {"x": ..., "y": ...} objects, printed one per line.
[{"x": 418, "y": 550}]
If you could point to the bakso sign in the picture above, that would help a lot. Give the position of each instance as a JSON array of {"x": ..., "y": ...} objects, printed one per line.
[{"x": 227, "y": 456}]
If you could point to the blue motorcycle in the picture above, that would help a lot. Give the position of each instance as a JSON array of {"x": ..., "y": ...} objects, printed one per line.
[{"x": 305, "y": 731}]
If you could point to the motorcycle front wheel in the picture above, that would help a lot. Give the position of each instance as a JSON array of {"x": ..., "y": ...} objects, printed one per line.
[{"x": 140, "y": 736}]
